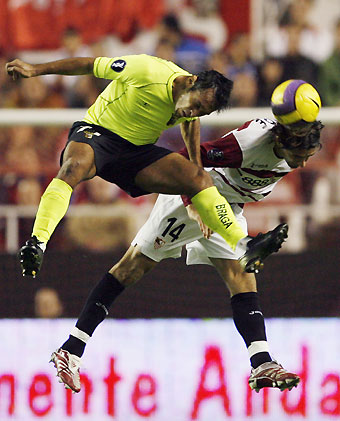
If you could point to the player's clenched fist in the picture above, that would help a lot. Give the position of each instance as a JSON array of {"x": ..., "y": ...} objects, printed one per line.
[{"x": 18, "y": 68}]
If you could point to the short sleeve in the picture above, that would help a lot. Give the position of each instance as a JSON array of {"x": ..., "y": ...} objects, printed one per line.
[
  {"x": 102, "y": 67},
  {"x": 134, "y": 69}
]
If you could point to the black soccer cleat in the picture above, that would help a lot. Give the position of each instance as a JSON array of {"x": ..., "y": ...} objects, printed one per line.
[
  {"x": 261, "y": 246},
  {"x": 31, "y": 256}
]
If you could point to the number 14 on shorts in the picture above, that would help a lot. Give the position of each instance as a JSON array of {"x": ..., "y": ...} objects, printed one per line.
[{"x": 173, "y": 230}]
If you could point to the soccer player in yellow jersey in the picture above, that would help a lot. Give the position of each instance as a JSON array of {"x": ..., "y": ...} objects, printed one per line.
[{"x": 115, "y": 141}]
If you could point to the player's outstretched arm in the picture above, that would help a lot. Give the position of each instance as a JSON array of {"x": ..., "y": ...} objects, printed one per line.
[{"x": 69, "y": 66}]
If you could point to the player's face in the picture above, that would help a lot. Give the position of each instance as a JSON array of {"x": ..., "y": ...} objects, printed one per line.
[
  {"x": 195, "y": 103},
  {"x": 296, "y": 157}
]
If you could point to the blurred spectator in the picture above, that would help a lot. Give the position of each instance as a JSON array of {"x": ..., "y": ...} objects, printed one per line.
[
  {"x": 295, "y": 65},
  {"x": 71, "y": 46},
  {"x": 270, "y": 75},
  {"x": 83, "y": 93},
  {"x": 21, "y": 156},
  {"x": 203, "y": 20},
  {"x": 244, "y": 93},
  {"x": 35, "y": 93},
  {"x": 190, "y": 53},
  {"x": 28, "y": 191},
  {"x": 239, "y": 60},
  {"x": 314, "y": 42},
  {"x": 165, "y": 50},
  {"x": 329, "y": 81},
  {"x": 47, "y": 304},
  {"x": 218, "y": 60}
]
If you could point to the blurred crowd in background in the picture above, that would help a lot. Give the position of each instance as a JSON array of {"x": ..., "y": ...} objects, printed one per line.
[{"x": 197, "y": 35}]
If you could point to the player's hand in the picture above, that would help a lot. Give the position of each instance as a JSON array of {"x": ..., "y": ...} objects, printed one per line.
[
  {"x": 193, "y": 214},
  {"x": 18, "y": 68}
]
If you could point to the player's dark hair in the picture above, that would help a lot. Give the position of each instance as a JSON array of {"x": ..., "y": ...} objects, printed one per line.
[
  {"x": 289, "y": 141},
  {"x": 212, "y": 79}
]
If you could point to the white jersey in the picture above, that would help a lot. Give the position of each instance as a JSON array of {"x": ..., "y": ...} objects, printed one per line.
[{"x": 244, "y": 168}]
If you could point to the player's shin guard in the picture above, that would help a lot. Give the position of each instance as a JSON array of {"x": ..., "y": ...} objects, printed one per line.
[
  {"x": 94, "y": 312},
  {"x": 249, "y": 321},
  {"x": 216, "y": 212},
  {"x": 52, "y": 208}
]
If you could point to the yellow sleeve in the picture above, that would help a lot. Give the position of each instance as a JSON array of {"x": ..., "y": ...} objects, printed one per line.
[{"x": 132, "y": 68}]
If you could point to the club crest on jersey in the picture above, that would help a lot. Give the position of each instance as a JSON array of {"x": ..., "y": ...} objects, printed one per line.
[
  {"x": 118, "y": 65},
  {"x": 215, "y": 155},
  {"x": 158, "y": 243}
]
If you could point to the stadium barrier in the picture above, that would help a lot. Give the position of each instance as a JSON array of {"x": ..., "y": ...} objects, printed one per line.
[{"x": 66, "y": 117}]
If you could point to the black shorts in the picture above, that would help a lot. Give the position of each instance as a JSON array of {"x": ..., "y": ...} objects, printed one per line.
[{"x": 117, "y": 160}]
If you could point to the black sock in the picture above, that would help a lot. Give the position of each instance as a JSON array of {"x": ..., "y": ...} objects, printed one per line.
[
  {"x": 249, "y": 322},
  {"x": 94, "y": 312}
]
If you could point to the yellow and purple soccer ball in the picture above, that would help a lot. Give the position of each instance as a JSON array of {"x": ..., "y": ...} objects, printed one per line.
[{"x": 295, "y": 101}]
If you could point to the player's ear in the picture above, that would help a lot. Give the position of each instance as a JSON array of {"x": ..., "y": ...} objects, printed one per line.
[
  {"x": 191, "y": 81},
  {"x": 278, "y": 142}
]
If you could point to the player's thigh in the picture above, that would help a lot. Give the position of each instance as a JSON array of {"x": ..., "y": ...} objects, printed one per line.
[
  {"x": 132, "y": 266},
  {"x": 173, "y": 174},
  {"x": 78, "y": 163},
  {"x": 232, "y": 274}
]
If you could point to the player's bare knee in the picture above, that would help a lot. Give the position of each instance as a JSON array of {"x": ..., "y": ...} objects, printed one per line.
[{"x": 72, "y": 172}]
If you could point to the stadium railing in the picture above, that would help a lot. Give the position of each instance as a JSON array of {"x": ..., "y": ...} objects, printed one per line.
[
  {"x": 296, "y": 216},
  {"x": 65, "y": 117}
]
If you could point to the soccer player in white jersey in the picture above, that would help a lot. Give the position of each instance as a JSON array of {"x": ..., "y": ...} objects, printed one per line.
[{"x": 245, "y": 165}]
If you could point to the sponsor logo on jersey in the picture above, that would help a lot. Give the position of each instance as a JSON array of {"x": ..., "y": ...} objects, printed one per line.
[
  {"x": 118, "y": 65},
  {"x": 223, "y": 215},
  {"x": 257, "y": 182},
  {"x": 158, "y": 243},
  {"x": 259, "y": 166}
]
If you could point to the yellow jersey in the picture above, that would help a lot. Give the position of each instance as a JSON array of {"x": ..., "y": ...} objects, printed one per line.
[{"x": 138, "y": 103}]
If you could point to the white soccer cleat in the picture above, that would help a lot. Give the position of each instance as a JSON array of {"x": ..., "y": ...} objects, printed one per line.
[
  {"x": 67, "y": 366},
  {"x": 272, "y": 374}
]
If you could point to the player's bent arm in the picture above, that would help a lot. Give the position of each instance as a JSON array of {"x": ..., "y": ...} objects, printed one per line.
[
  {"x": 69, "y": 66},
  {"x": 191, "y": 135}
]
